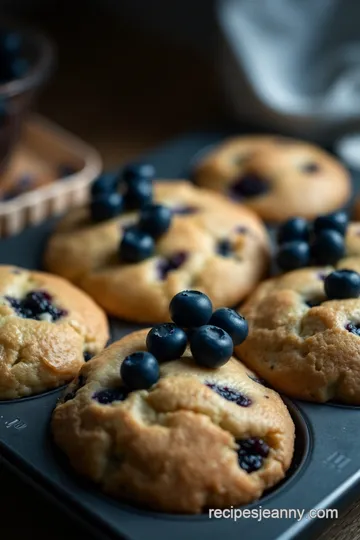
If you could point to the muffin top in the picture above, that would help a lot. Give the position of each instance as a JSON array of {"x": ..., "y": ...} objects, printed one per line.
[
  {"x": 277, "y": 177},
  {"x": 302, "y": 342},
  {"x": 212, "y": 245},
  {"x": 198, "y": 438}
]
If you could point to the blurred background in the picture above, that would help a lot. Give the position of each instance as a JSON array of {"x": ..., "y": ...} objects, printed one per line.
[
  {"x": 126, "y": 79},
  {"x": 131, "y": 73}
]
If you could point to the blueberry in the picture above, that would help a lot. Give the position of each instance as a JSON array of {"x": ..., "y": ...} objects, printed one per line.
[
  {"x": 338, "y": 221},
  {"x": 104, "y": 184},
  {"x": 230, "y": 395},
  {"x": 232, "y": 322},
  {"x": 328, "y": 247},
  {"x": 251, "y": 453},
  {"x": 211, "y": 346},
  {"x": 109, "y": 395},
  {"x": 250, "y": 462},
  {"x": 56, "y": 313},
  {"x": 36, "y": 305},
  {"x": 155, "y": 219},
  {"x": 224, "y": 248},
  {"x": 136, "y": 245},
  {"x": 106, "y": 206},
  {"x": 37, "y": 302},
  {"x": 140, "y": 370},
  {"x": 342, "y": 284},
  {"x": 136, "y": 171},
  {"x": 353, "y": 328},
  {"x": 292, "y": 255},
  {"x": 295, "y": 228},
  {"x": 166, "y": 342},
  {"x": 173, "y": 262},
  {"x": 250, "y": 185},
  {"x": 138, "y": 194},
  {"x": 190, "y": 308}
]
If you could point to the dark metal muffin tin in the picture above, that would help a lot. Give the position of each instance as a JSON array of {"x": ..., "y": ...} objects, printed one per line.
[{"x": 326, "y": 466}]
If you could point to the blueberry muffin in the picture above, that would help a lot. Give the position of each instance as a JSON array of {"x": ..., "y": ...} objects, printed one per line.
[
  {"x": 277, "y": 177},
  {"x": 198, "y": 438},
  {"x": 213, "y": 245},
  {"x": 48, "y": 330},
  {"x": 304, "y": 341}
]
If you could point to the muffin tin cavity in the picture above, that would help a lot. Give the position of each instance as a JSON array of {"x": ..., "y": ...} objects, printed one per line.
[
  {"x": 41, "y": 395},
  {"x": 252, "y": 454}
]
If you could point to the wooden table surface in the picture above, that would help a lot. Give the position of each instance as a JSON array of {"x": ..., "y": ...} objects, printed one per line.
[{"x": 124, "y": 92}]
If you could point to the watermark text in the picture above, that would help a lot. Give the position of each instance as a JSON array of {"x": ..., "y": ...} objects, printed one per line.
[{"x": 261, "y": 513}]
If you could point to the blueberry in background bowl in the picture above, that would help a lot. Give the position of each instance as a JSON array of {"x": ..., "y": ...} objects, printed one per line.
[{"x": 26, "y": 58}]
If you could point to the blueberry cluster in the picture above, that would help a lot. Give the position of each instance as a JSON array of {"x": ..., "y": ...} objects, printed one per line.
[
  {"x": 321, "y": 242},
  {"x": 13, "y": 64},
  {"x": 138, "y": 241},
  {"x": 211, "y": 336},
  {"x": 36, "y": 305},
  {"x": 251, "y": 453},
  {"x": 111, "y": 194}
]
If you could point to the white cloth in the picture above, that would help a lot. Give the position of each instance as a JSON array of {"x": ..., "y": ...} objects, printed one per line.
[{"x": 293, "y": 65}]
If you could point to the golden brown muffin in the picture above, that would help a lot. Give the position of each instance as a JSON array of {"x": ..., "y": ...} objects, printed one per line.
[
  {"x": 277, "y": 177},
  {"x": 48, "y": 329},
  {"x": 198, "y": 438},
  {"x": 303, "y": 344},
  {"x": 213, "y": 245}
]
